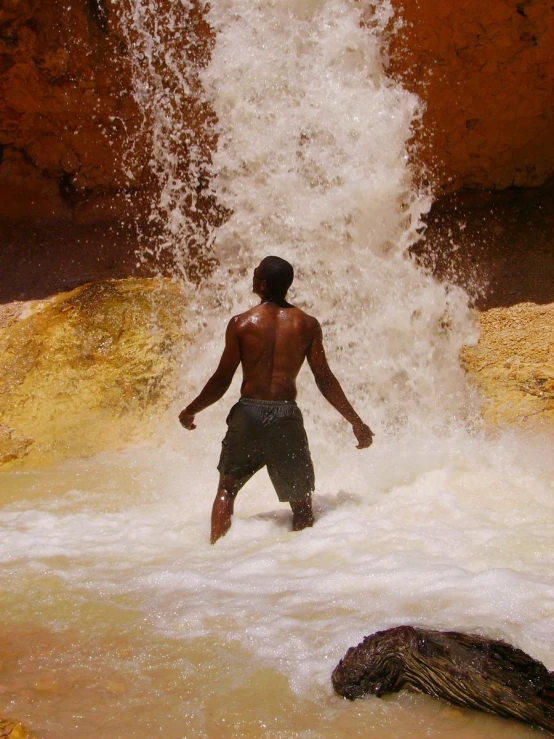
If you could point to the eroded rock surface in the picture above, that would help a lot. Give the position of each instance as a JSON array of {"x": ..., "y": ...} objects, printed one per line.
[
  {"x": 513, "y": 364},
  {"x": 11, "y": 729},
  {"x": 72, "y": 137},
  {"x": 485, "y": 73},
  {"x": 88, "y": 370},
  {"x": 65, "y": 107}
]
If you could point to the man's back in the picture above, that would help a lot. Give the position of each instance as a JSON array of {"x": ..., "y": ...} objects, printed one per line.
[{"x": 274, "y": 339}]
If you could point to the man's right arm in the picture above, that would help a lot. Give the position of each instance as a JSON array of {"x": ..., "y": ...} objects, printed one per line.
[
  {"x": 331, "y": 390},
  {"x": 219, "y": 382}
]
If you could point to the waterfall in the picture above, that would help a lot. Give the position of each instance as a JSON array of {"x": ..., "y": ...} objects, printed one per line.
[{"x": 311, "y": 164}]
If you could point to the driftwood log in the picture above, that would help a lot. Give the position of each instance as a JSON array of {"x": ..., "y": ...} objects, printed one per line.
[{"x": 464, "y": 669}]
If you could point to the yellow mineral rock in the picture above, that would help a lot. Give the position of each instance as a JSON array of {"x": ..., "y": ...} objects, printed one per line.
[
  {"x": 10, "y": 729},
  {"x": 513, "y": 363},
  {"x": 88, "y": 370}
]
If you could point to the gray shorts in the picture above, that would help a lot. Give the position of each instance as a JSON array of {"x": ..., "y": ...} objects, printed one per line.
[{"x": 268, "y": 432}]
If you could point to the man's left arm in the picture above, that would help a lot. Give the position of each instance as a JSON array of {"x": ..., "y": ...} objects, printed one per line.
[
  {"x": 332, "y": 391},
  {"x": 219, "y": 382}
]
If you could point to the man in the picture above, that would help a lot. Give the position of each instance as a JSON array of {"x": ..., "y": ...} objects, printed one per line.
[{"x": 271, "y": 342}]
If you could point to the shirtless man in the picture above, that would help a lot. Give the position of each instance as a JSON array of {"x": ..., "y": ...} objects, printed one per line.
[{"x": 271, "y": 342}]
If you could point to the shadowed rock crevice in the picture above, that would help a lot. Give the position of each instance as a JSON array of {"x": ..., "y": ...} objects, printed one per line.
[
  {"x": 499, "y": 246},
  {"x": 99, "y": 13}
]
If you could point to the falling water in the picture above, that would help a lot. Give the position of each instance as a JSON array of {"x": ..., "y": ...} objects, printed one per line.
[{"x": 121, "y": 618}]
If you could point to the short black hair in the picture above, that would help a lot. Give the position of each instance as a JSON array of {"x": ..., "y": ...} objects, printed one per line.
[{"x": 278, "y": 274}]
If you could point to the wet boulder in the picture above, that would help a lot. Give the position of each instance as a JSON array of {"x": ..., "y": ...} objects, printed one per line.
[
  {"x": 10, "y": 729},
  {"x": 88, "y": 370},
  {"x": 513, "y": 364}
]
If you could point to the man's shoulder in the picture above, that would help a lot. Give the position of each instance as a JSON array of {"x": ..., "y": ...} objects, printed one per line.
[
  {"x": 245, "y": 319},
  {"x": 241, "y": 321},
  {"x": 244, "y": 316},
  {"x": 306, "y": 317}
]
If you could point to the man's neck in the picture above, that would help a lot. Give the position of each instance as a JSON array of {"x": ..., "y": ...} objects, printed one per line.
[{"x": 281, "y": 302}]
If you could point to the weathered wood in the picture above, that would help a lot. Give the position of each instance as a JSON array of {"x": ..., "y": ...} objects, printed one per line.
[{"x": 463, "y": 669}]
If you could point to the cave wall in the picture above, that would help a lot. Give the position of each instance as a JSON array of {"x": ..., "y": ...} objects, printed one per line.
[
  {"x": 65, "y": 108},
  {"x": 484, "y": 72}
]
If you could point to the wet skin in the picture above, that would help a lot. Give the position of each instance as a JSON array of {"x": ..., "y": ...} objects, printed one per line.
[{"x": 271, "y": 342}]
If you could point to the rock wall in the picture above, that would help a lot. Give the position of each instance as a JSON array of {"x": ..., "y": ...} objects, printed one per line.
[
  {"x": 88, "y": 370},
  {"x": 67, "y": 113},
  {"x": 64, "y": 107},
  {"x": 484, "y": 72},
  {"x": 13, "y": 729},
  {"x": 513, "y": 365}
]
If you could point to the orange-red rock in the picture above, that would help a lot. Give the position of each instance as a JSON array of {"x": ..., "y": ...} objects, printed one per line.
[
  {"x": 483, "y": 70},
  {"x": 64, "y": 102}
]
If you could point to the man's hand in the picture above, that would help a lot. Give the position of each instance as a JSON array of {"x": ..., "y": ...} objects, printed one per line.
[
  {"x": 187, "y": 420},
  {"x": 363, "y": 434}
]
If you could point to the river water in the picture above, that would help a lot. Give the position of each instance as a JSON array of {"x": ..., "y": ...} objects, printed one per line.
[{"x": 118, "y": 617}]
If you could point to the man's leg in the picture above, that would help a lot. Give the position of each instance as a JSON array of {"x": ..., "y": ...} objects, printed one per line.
[
  {"x": 302, "y": 514},
  {"x": 223, "y": 506}
]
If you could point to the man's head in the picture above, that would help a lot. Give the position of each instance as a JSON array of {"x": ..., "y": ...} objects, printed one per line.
[{"x": 277, "y": 274}]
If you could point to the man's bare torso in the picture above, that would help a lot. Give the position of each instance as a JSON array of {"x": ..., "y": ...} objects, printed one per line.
[{"x": 274, "y": 340}]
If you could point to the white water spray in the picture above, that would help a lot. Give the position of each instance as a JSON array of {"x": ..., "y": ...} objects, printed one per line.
[
  {"x": 312, "y": 164},
  {"x": 167, "y": 45}
]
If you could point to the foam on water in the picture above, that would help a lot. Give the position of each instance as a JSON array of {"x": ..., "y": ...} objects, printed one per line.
[
  {"x": 461, "y": 539},
  {"x": 437, "y": 524},
  {"x": 451, "y": 535}
]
